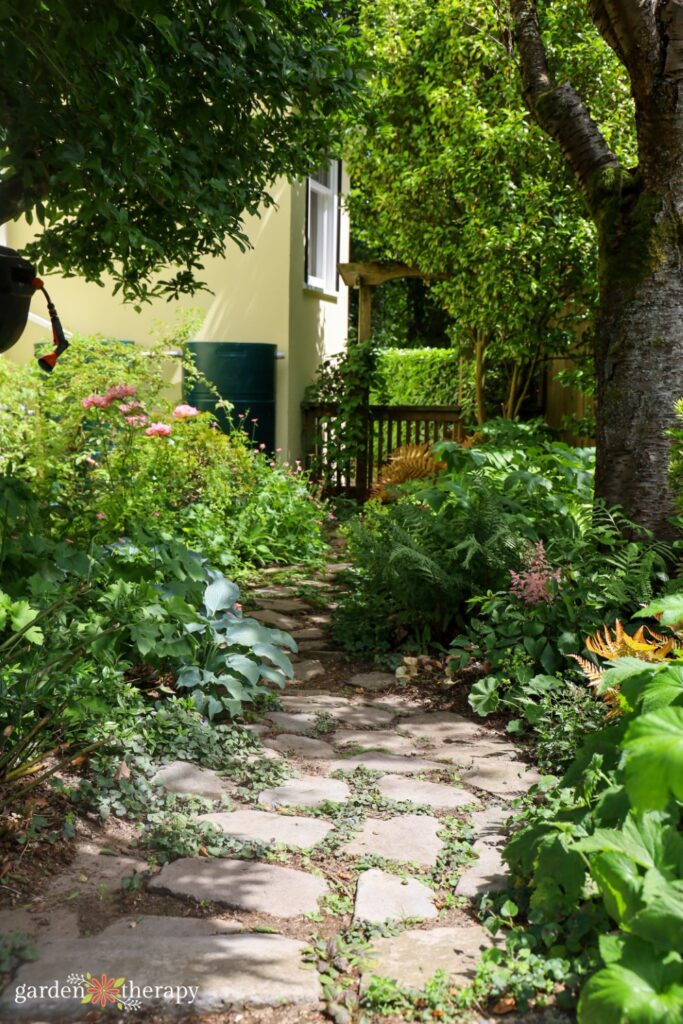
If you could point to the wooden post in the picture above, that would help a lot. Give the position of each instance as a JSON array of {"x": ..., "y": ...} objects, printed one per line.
[
  {"x": 363, "y": 477},
  {"x": 364, "y": 312}
]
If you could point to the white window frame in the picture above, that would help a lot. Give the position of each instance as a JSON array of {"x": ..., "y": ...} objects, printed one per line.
[{"x": 329, "y": 235}]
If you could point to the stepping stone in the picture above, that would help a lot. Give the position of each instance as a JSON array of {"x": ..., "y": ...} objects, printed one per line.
[
  {"x": 315, "y": 647},
  {"x": 304, "y": 746},
  {"x": 243, "y": 885},
  {"x": 314, "y": 584},
  {"x": 334, "y": 567},
  {"x": 384, "y": 763},
  {"x": 91, "y": 874},
  {"x": 287, "y": 722},
  {"x": 274, "y": 590},
  {"x": 308, "y": 633},
  {"x": 373, "y": 680},
  {"x": 315, "y": 703},
  {"x": 383, "y": 897},
  {"x": 275, "y": 619},
  {"x": 283, "y": 604},
  {"x": 361, "y": 716},
  {"x": 398, "y": 703},
  {"x": 465, "y": 753},
  {"x": 258, "y": 729},
  {"x": 506, "y": 778},
  {"x": 266, "y": 827},
  {"x": 434, "y": 794},
  {"x": 489, "y": 825},
  {"x": 378, "y": 739},
  {"x": 438, "y": 726},
  {"x": 414, "y": 956},
  {"x": 185, "y": 777},
  {"x": 222, "y": 968},
  {"x": 308, "y": 791},
  {"x": 409, "y": 838},
  {"x": 487, "y": 874},
  {"x": 307, "y": 670}
]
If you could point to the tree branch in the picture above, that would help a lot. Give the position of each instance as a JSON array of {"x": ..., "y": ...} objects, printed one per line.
[
  {"x": 558, "y": 109},
  {"x": 630, "y": 28}
]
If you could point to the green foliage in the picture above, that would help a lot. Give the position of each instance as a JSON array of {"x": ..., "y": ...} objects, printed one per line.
[
  {"x": 450, "y": 173},
  {"x": 416, "y": 376},
  {"x": 140, "y": 138},
  {"x": 95, "y": 473},
  {"x": 610, "y": 844}
]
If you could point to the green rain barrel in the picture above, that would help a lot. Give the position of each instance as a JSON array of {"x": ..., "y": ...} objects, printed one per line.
[{"x": 243, "y": 373}]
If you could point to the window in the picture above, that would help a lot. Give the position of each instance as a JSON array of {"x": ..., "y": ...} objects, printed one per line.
[{"x": 322, "y": 228}]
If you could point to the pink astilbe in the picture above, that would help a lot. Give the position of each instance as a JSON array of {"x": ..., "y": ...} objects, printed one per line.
[
  {"x": 531, "y": 584},
  {"x": 158, "y": 430}
]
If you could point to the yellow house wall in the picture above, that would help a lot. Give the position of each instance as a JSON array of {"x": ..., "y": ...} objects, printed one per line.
[{"x": 251, "y": 298}]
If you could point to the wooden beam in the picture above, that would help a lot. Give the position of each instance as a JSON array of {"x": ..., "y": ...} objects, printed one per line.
[
  {"x": 364, "y": 312},
  {"x": 375, "y": 272}
]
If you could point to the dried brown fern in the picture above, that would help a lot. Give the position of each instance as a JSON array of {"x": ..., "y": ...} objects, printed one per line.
[
  {"x": 618, "y": 644},
  {"x": 409, "y": 462}
]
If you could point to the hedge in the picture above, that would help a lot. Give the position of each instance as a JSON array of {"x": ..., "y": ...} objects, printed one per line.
[{"x": 416, "y": 376}]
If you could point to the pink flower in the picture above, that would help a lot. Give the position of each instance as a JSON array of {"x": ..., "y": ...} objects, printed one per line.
[
  {"x": 278, "y": 449},
  {"x": 100, "y": 515},
  {"x": 241, "y": 415},
  {"x": 261, "y": 446},
  {"x": 90, "y": 461},
  {"x": 127, "y": 407},
  {"x": 137, "y": 421},
  {"x": 121, "y": 391},
  {"x": 254, "y": 421},
  {"x": 96, "y": 402},
  {"x": 331, "y": 515},
  {"x": 185, "y": 412},
  {"x": 531, "y": 584},
  {"x": 158, "y": 430},
  {"x": 238, "y": 606}
]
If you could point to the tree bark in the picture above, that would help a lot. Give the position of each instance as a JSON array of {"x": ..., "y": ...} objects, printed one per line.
[{"x": 639, "y": 216}]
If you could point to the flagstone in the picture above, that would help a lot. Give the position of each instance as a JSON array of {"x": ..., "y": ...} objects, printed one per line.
[
  {"x": 435, "y": 794},
  {"x": 382, "y": 897},
  {"x": 267, "y": 827},
  {"x": 243, "y": 884},
  {"x": 275, "y": 619},
  {"x": 373, "y": 680},
  {"x": 414, "y": 956},
  {"x": 225, "y": 968},
  {"x": 439, "y": 726},
  {"x": 304, "y": 671},
  {"x": 308, "y": 633},
  {"x": 304, "y": 746},
  {"x": 374, "y": 739},
  {"x": 505, "y": 778},
  {"x": 285, "y": 721},
  {"x": 307, "y": 791},
  {"x": 489, "y": 824},
  {"x": 466, "y": 752},
  {"x": 487, "y": 874},
  {"x": 283, "y": 604},
  {"x": 412, "y": 838},
  {"x": 362, "y": 716},
  {"x": 316, "y": 703},
  {"x": 185, "y": 777},
  {"x": 384, "y": 763}
]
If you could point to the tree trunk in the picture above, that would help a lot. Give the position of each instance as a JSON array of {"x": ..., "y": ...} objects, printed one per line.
[{"x": 638, "y": 352}]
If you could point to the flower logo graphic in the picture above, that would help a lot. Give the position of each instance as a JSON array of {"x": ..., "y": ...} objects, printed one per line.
[{"x": 103, "y": 990}]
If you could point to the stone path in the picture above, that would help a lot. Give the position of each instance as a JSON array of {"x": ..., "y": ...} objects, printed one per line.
[{"x": 379, "y": 806}]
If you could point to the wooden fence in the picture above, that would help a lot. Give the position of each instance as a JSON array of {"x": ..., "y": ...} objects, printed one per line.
[{"x": 388, "y": 427}]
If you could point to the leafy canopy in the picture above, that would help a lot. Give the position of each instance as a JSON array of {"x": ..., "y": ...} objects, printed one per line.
[{"x": 140, "y": 134}]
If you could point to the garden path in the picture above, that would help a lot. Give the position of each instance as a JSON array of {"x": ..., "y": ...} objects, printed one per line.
[{"x": 388, "y": 820}]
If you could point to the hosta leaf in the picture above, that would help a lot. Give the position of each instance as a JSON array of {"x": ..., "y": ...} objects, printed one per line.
[
  {"x": 189, "y": 676},
  {"x": 247, "y": 632},
  {"x": 277, "y": 657},
  {"x": 220, "y": 594},
  {"x": 654, "y": 758},
  {"x": 251, "y": 670},
  {"x": 274, "y": 675}
]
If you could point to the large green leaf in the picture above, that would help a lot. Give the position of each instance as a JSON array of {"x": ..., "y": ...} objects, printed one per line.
[
  {"x": 619, "y": 882},
  {"x": 484, "y": 697},
  {"x": 670, "y": 608},
  {"x": 654, "y": 758},
  {"x": 648, "y": 839},
  {"x": 661, "y": 919},
  {"x": 648, "y": 993},
  {"x": 220, "y": 595}
]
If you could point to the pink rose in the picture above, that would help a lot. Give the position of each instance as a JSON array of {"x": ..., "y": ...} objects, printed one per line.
[
  {"x": 158, "y": 430},
  {"x": 127, "y": 407},
  {"x": 96, "y": 402},
  {"x": 100, "y": 515},
  {"x": 136, "y": 421},
  {"x": 184, "y": 412},
  {"x": 121, "y": 391}
]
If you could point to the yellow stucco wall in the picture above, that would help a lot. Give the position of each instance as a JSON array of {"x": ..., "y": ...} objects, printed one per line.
[{"x": 256, "y": 296}]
